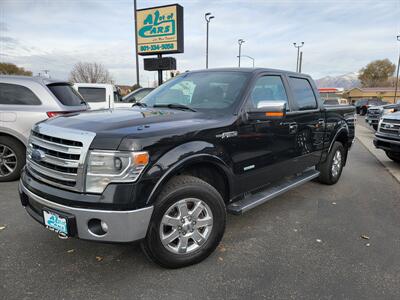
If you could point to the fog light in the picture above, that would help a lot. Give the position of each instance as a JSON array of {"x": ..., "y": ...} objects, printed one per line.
[
  {"x": 97, "y": 227},
  {"x": 104, "y": 226}
]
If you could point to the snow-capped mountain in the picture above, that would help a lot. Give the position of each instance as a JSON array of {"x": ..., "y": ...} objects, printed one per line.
[{"x": 346, "y": 81}]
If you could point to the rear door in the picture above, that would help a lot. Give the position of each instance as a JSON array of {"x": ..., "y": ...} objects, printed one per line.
[
  {"x": 306, "y": 121},
  {"x": 20, "y": 108}
]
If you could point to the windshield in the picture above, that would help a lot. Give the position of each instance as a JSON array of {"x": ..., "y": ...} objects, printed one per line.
[
  {"x": 211, "y": 91},
  {"x": 136, "y": 95},
  {"x": 66, "y": 94}
]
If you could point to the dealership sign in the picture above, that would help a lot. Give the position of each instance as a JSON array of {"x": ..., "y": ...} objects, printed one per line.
[{"x": 160, "y": 30}]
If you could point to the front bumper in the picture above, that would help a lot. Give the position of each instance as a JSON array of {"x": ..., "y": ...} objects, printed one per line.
[
  {"x": 123, "y": 226},
  {"x": 388, "y": 144}
]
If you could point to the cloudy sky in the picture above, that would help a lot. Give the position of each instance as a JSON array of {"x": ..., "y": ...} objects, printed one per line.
[{"x": 340, "y": 36}]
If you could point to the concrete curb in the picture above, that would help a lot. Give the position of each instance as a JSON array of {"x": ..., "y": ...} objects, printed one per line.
[{"x": 366, "y": 136}]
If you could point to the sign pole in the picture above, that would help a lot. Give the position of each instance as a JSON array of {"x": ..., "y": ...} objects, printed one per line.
[
  {"x": 136, "y": 46},
  {"x": 160, "y": 79}
]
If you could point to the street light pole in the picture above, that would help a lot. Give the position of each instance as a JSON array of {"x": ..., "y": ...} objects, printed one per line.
[
  {"x": 298, "y": 54},
  {"x": 397, "y": 76},
  {"x": 208, "y": 18},
  {"x": 240, "y": 42}
]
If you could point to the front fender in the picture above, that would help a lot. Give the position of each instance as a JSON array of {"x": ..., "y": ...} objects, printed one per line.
[{"x": 182, "y": 157}]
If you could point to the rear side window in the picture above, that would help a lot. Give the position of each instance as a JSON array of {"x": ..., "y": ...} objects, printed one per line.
[
  {"x": 304, "y": 97},
  {"x": 13, "y": 94},
  {"x": 66, "y": 94},
  {"x": 93, "y": 94}
]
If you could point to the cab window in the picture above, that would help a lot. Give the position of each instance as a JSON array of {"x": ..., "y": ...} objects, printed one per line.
[
  {"x": 304, "y": 97},
  {"x": 93, "y": 94}
]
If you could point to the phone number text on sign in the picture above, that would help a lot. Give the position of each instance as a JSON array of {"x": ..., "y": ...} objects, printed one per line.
[{"x": 156, "y": 47}]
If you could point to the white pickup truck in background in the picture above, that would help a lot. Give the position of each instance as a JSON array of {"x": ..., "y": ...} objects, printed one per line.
[{"x": 101, "y": 95}]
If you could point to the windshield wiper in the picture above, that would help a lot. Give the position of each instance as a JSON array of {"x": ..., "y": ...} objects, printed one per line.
[
  {"x": 175, "y": 106},
  {"x": 139, "y": 104}
]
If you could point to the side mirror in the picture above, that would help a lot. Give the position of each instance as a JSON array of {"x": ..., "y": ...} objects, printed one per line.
[{"x": 267, "y": 110}]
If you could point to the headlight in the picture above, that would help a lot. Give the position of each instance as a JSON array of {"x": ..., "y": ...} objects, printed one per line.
[
  {"x": 379, "y": 124},
  {"x": 105, "y": 167}
]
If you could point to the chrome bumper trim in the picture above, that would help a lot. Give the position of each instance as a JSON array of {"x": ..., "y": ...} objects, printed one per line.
[{"x": 123, "y": 226}]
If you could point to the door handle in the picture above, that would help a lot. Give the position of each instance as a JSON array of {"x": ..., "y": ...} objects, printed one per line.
[
  {"x": 292, "y": 128},
  {"x": 320, "y": 123}
]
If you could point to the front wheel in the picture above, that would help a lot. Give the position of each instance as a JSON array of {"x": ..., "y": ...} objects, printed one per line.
[
  {"x": 187, "y": 224},
  {"x": 395, "y": 156},
  {"x": 331, "y": 168}
]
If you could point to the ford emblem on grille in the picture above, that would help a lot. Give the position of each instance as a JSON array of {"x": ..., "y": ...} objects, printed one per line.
[{"x": 38, "y": 155}]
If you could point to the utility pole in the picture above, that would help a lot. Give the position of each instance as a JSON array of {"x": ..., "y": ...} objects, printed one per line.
[
  {"x": 300, "y": 61},
  {"x": 298, "y": 54},
  {"x": 208, "y": 18},
  {"x": 240, "y": 42},
  {"x": 397, "y": 76},
  {"x": 136, "y": 45}
]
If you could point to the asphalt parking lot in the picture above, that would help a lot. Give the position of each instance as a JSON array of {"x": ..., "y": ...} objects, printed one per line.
[{"x": 305, "y": 244}]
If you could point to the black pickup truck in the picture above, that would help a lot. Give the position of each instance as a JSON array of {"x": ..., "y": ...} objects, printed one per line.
[{"x": 168, "y": 170}]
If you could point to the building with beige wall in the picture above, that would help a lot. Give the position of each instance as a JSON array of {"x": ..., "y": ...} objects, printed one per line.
[{"x": 384, "y": 93}]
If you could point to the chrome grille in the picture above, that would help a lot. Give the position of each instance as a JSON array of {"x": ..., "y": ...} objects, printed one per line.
[
  {"x": 374, "y": 112},
  {"x": 390, "y": 126},
  {"x": 57, "y": 155}
]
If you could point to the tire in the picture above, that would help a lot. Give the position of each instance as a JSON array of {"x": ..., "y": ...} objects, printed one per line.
[
  {"x": 330, "y": 175},
  {"x": 375, "y": 127},
  {"x": 12, "y": 158},
  {"x": 179, "y": 191},
  {"x": 395, "y": 156},
  {"x": 363, "y": 111}
]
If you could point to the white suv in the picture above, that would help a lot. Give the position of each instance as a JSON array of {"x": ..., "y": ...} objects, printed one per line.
[{"x": 25, "y": 101}]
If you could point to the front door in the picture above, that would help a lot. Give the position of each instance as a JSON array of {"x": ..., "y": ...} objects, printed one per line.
[{"x": 262, "y": 149}]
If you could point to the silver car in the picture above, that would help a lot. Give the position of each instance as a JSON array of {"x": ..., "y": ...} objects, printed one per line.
[{"x": 25, "y": 101}]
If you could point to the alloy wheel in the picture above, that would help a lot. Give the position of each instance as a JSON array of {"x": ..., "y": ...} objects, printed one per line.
[
  {"x": 337, "y": 163},
  {"x": 8, "y": 160},
  {"x": 186, "y": 226}
]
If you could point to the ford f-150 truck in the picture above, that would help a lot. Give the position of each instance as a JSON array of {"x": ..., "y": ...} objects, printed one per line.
[
  {"x": 387, "y": 136},
  {"x": 167, "y": 170}
]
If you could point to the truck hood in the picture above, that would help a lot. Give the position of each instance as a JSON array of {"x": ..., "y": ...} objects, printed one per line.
[
  {"x": 393, "y": 116},
  {"x": 111, "y": 126}
]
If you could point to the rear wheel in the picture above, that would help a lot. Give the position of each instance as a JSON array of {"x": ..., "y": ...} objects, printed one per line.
[
  {"x": 395, "y": 156},
  {"x": 187, "y": 224},
  {"x": 332, "y": 167},
  {"x": 12, "y": 158}
]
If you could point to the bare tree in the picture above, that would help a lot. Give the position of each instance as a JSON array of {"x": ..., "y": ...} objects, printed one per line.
[{"x": 90, "y": 73}]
